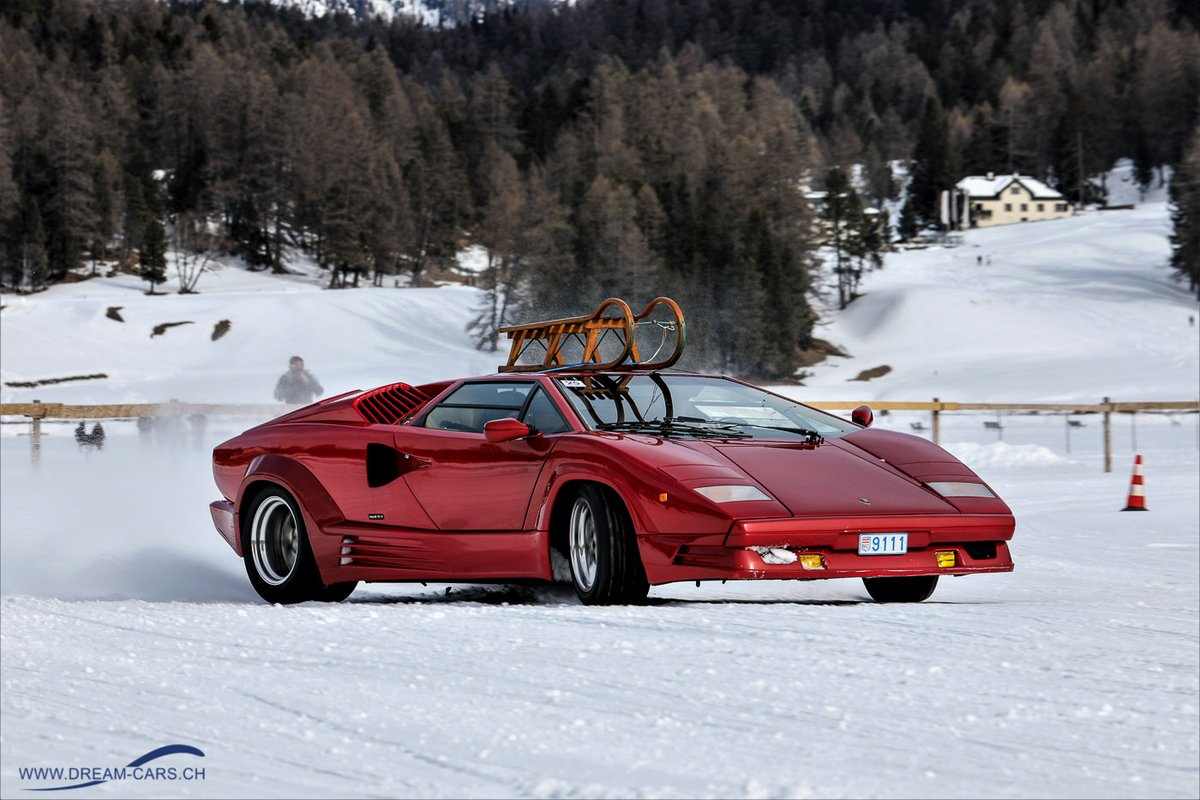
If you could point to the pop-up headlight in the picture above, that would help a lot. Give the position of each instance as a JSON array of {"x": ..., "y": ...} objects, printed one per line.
[
  {"x": 960, "y": 489},
  {"x": 731, "y": 493}
]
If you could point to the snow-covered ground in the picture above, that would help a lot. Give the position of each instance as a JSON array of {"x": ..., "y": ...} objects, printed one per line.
[{"x": 127, "y": 624}]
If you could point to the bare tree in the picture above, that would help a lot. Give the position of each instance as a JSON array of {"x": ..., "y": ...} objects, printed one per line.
[{"x": 195, "y": 242}]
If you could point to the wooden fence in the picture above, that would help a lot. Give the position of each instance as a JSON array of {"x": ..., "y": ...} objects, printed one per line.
[
  {"x": 37, "y": 411},
  {"x": 1107, "y": 408}
]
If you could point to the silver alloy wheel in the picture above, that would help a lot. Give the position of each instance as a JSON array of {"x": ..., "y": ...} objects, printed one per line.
[
  {"x": 583, "y": 544},
  {"x": 274, "y": 540}
]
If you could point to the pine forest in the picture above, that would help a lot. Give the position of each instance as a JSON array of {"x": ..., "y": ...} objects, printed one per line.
[{"x": 612, "y": 148}]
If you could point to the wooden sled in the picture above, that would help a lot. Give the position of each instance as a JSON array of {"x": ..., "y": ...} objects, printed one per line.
[{"x": 605, "y": 340}]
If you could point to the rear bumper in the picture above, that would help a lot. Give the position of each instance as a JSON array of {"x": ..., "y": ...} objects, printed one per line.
[
  {"x": 225, "y": 520},
  {"x": 979, "y": 543}
]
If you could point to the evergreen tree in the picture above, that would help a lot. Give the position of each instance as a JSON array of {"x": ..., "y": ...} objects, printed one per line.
[
  {"x": 781, "y": 318},
  {"x": 136, "y": 215},
  {"x": 104, "y": 206},
  {"x": 10, "y": 208},
  {"x": 34, "y": 259},
  {"x": 152, "y": 254},
  {"x": 438, "y": 191},
  {"x": 69, "y": 207},
  {"x": 873, "y": 236},
  {"x": 933, "y": 168},
  {"x": 908, "y": 225},
  {"x": 981, "y": 154},
  {"x": 612, "y": 246},
  {"x": 839, "y": 213},
  {"x": 524, "y": 233},
  {"x": 1185, "y": 216}
]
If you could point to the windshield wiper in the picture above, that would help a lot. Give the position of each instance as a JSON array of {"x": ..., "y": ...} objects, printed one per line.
[
  {"x": 685, "y": 426},
  {"x": 809, "y": 435}
]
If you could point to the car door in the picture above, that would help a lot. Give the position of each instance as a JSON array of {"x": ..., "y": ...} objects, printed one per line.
[{"x": 462, "y": 481}]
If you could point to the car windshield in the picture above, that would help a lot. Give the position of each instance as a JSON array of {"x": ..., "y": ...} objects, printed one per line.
[{"x": 697, "y": 406}]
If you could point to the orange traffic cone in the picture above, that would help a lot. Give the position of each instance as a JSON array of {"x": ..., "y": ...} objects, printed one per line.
[{"x": 1137, "y": 490}]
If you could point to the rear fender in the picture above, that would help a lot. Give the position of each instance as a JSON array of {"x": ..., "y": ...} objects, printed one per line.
[{"x": 316, "y": 506}]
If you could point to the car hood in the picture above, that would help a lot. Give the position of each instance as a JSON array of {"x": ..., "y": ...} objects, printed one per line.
[{"x": 833, "y": 478}]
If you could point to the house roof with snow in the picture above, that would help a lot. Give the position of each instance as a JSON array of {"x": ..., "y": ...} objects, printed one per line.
[{"x": 991, "y": 186}]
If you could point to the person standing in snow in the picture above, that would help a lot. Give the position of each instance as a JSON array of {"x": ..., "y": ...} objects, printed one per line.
[{"x": 297, "y": 385}]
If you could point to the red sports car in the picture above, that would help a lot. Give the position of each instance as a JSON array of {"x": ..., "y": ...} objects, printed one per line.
[{"x": 624, "y": 477}]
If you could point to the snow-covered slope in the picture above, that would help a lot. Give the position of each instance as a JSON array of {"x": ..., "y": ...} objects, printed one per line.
[
  {"x": 350, "y": 338},
  {"x": 1065, "y": 310},
  {"x": 1070, "y": 310}
]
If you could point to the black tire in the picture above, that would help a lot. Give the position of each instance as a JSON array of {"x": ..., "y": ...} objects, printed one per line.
[
  {"x": 337, "y": 592},
  {"x": 609, "y": 570},
  {"x": 276, "y": 551},
  {"x": 901, "y": 590}
]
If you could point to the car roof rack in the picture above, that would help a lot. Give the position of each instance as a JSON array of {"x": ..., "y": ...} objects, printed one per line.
[{"x": 607, "y": 339}]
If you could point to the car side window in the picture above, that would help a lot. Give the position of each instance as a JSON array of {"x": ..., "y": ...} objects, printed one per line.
[
  {"x": 544, "y": 416},
  {"x": 469, "y": 407}
]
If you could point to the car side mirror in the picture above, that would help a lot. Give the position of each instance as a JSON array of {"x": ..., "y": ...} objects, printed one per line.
[
  {"x": 863, "y": 415},
  {"x": 505, "y": 430}
]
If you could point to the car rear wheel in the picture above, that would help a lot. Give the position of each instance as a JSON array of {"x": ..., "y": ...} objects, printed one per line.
[
  {"x": 278, "y": 558},
  {"x": 901, "y": 590},
  {"x": 602, "y": 550}
]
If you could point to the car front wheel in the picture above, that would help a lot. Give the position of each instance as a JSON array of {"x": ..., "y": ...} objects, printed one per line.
[
  {"x": 901, "y": 590},
  {"x": 602, "y": 549},
  {"x": 278, "y": 558}
]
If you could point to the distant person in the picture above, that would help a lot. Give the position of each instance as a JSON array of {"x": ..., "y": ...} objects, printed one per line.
[
  {"x": 93, "y": 439},
  {"x": 297, "y": 385}
]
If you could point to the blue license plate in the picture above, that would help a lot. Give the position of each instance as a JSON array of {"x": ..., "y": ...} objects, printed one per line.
[{"x": 882, "y": 544}]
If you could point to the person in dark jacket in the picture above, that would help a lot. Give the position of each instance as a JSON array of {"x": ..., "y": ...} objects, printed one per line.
[{"x": 297, "y": 385}]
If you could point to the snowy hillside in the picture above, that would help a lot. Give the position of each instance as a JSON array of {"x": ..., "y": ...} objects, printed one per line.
[
  {"x": 350, "y": 339},
  {"x": 1067, "y": 310},
  {"x": 128, "y": 624}
]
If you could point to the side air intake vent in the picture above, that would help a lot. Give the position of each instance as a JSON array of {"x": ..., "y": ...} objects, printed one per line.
[{"x": 387, "y": 405}]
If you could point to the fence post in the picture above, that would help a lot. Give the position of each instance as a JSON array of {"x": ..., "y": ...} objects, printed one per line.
[
  {"x": 1107, "y": 435},
  {"x": 35, "y": 437},
  {"x": 937, "y": 423}
]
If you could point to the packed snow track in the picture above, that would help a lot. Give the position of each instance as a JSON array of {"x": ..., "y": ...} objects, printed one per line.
[{"x": 1075, "y": 676}]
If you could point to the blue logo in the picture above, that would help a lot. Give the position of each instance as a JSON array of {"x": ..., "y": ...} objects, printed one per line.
[{"x": 136, "y": 770}]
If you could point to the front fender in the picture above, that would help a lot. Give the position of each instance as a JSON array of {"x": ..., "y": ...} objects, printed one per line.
[
  {"x": 682, "y": 512},
  {"x": 563, "y": 475}
]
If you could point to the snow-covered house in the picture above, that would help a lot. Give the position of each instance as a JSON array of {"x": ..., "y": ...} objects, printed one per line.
[{"x": 1003, "y": 199}]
